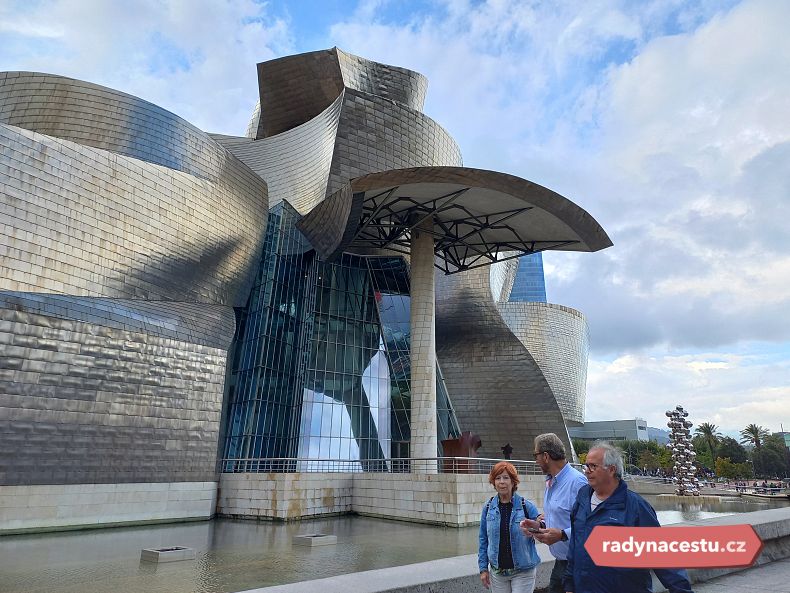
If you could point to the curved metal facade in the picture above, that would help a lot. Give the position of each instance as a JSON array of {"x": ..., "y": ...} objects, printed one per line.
[
  {"x": 294, "y": 163},
  {"x": 327, "y": 117},
  {"x": 558, "y": 339},
  {"x": 92, "y": 115},
  {"x": 96, "y": 220},
  {"x": 390, "y": 82},
  {"x": 128, "y": 236},
  {"x": 497, "y": 388}
]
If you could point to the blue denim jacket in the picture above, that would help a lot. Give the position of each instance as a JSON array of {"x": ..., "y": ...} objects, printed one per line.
[{"x": 525, "y": 556}]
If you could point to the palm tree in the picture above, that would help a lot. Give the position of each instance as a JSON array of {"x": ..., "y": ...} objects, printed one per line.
[
  {"x": 754, "y": 435},
  {"x": 709, "y": 432}
]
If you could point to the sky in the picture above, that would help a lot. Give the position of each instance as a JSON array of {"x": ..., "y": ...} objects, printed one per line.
[{"x": 668, "y": 121}]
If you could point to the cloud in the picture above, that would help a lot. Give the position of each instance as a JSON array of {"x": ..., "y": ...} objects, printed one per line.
[
  {"x": 728, "y": 389},
  {"x": 652, "y": 119},
  {"x": 667, "y": 122},
  {"x": 692, "y": 147},
  {"x": 196, "y": 58}
]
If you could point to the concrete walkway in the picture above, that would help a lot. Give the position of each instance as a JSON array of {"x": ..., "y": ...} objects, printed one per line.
[{"x": 773, "y": 577}]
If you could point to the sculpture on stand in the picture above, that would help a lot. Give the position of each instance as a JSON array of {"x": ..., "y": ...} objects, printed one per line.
[
  {"x": 683, "y": 453},
  {"x": 465, "y": 446}
]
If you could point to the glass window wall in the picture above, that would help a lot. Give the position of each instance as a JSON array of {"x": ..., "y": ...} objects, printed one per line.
[{"x": 321, "y": 365}]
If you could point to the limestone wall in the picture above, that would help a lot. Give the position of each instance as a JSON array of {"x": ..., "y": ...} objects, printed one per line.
[
  {"x": 69, "y": 506},
  {"x": 444, "y": 499},
  {"x": 284, "y": 496}
]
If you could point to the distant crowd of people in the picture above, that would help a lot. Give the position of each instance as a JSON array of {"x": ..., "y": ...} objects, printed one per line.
[{"x": 764, "y": 487}]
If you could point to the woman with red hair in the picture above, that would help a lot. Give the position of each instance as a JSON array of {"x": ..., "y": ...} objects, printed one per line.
[{"x": 507, "y": 558}]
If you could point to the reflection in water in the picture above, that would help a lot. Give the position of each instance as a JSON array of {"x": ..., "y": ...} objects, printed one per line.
[
  {"x": 238, "y": 555},
  {"x": 231, "y": 555},
  {"x": 670, "y": 510}
]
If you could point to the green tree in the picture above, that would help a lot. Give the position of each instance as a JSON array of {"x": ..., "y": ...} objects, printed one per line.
[
  {"x": 665, "y": 459},
  {"x": 768, "y": 463},
  {"x": 581, "y": 446},
  {"x": 726, "y": 468},
  {"x": 633, "y": 452},
  {"x": 704, "y": 456},
  {"x": 773, "y": 458},
  {"x": 744, "y": 470},
  {"x": 710, "y": 434},
  {"x": 649, "y": 460},
  {"x": 754, "y": 435},
  {"x": 729, "y": 447}
]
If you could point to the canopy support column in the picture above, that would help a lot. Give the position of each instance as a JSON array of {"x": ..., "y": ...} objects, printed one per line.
[{"x": 423, "y": 349}]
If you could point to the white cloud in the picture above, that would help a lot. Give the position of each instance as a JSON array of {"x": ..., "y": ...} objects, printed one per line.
[
  {"x": 729, "y": 389},
  {"x": 688, "y": 173},
  {"x": 196, "y": 58},
  {"x": 711, "y": 97}
]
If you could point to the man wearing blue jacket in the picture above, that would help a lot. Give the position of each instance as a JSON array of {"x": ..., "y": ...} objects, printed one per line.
[{"x": 606, "y": 500}]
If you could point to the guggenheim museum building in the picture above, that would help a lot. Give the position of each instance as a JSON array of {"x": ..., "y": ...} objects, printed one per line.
[{"x": 334, "y": 289}]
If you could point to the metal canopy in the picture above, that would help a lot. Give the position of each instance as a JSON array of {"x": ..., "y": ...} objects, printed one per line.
[{"x": 479, "y": 217}]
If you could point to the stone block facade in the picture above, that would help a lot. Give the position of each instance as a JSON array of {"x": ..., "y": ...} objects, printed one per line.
[
  {"x": 453, "y": 500},
  {"x": 65, "y": 506}
]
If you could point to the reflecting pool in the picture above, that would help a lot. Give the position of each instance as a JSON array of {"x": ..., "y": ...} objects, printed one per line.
[
  {"x": 231, "y": 555},
  {"x": 236, "y": 555},
  {"x": 670, "y": 510}
]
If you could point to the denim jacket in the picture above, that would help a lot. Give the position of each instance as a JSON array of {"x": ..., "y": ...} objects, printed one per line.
[{"x": 525, "y": 556}]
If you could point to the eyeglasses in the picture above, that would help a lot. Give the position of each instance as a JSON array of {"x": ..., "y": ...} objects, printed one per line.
[
  {"x": 590, "y": 467},
  {"x": 535, "y": 455}
]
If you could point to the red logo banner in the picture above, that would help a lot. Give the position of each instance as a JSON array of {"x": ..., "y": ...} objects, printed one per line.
[{"x": 715, "y": 546}]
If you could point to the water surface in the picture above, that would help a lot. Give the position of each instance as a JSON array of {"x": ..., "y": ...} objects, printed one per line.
[{"x": 234, "y": 555}]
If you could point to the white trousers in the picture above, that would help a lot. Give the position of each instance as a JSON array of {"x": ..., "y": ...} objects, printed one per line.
[{"x": 521, "y": 582}]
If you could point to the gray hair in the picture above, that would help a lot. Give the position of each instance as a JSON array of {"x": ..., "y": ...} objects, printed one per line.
[
  {"x": 550, "y": 443},
  {"x": 611, "y": 457}
]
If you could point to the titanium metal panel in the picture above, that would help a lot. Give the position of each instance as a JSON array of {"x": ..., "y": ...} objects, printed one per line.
[
  {"x": 406, "y": 87},
  {"x": 294, "y": 163},
  {"x": 497, "y": 388},
  {"x": 126, "y": 237},
  {"x": 295, "y": 89},
  {"x": 558, "y": 339},
  {"x": 88, "y": 222},
  {"x": 85, "y": 403}
]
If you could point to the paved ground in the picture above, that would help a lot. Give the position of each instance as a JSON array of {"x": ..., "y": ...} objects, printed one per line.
[{"x": 769, "y": 578}]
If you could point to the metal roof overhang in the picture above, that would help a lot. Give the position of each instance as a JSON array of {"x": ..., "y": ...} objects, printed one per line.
[{"x": 478, "y": 217}]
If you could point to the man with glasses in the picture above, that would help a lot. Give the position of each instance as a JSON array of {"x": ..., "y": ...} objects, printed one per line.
[
  {"x": 608, "y": 501},
  {"x": 563, "y": 482}
]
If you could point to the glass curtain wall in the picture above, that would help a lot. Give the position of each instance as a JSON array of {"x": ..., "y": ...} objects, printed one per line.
[
  {"x": 268, "y": 363},
  {"x": 321, "y": 365},
  {"x": 345, "y": 409},
  {"x": 391, "y": 281}
]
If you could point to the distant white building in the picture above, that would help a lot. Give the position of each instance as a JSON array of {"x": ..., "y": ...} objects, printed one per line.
[{"x": 634, "y": 429}]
